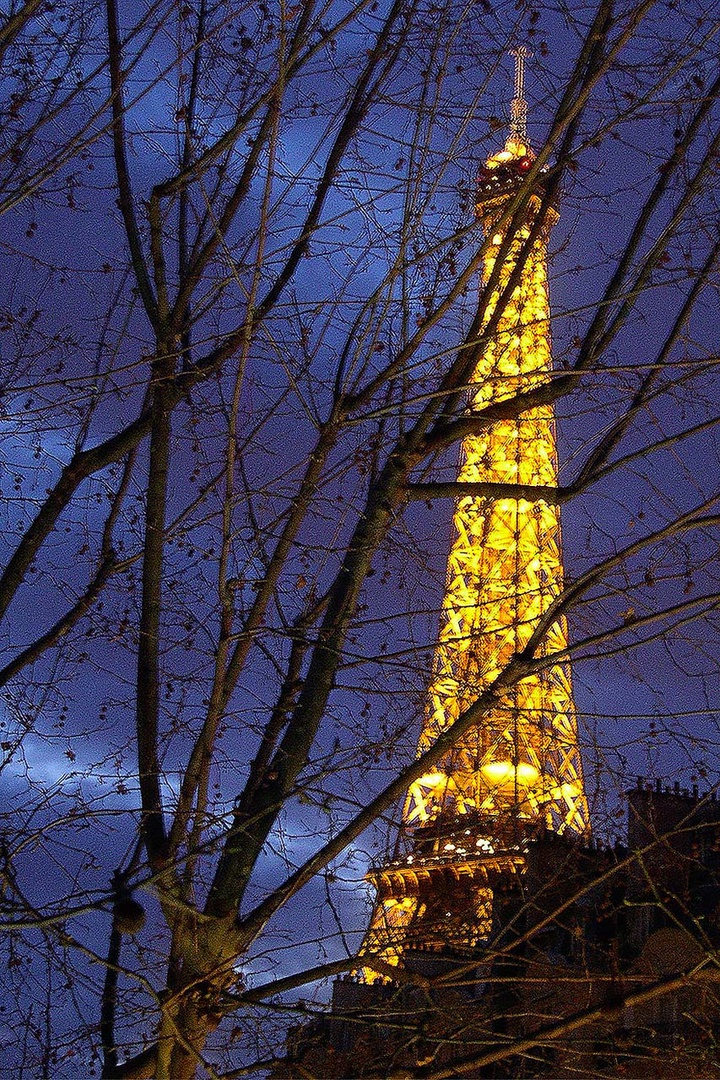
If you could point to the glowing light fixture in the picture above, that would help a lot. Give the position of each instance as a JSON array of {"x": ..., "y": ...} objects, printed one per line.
[{"x": 504, "y": 772}]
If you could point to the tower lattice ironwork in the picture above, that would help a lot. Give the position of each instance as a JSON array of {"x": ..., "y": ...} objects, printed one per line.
[{"x": 466, "y": 821}]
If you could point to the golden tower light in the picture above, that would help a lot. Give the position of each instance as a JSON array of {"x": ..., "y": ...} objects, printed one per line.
[{"x": 519, "y": 768}]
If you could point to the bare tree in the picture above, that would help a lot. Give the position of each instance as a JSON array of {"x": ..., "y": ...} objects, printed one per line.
[{"x": 239, "y": 319}]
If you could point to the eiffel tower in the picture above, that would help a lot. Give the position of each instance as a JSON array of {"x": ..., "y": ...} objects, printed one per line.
[{"x": 518, "y": 770}]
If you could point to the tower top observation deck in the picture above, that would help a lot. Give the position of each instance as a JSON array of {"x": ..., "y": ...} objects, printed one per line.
[{"x": 505, "y": 170}]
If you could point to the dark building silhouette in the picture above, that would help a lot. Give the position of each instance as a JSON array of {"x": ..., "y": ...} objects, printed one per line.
[{"x": 602, "y": 961}]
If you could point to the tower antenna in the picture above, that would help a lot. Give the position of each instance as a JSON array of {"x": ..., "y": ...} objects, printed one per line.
[{"x": 518, "y": 106}]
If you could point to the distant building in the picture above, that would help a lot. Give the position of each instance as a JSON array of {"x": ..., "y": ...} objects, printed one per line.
[{"x": 602, "y": 961}]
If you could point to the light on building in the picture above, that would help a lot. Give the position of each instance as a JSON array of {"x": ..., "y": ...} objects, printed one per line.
[{"x": 505, "y": 774}]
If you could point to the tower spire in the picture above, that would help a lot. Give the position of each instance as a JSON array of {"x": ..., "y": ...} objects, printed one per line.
[{"x": 518, "y": 105}]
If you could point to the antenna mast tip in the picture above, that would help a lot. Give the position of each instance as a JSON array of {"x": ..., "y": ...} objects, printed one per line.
[{"x": 518, "y": 106}]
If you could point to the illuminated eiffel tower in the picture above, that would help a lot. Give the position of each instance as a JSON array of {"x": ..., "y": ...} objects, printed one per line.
[{"x": 467, "y": 821}]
